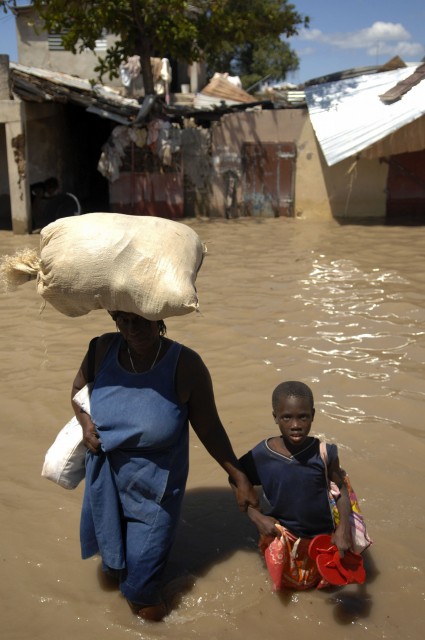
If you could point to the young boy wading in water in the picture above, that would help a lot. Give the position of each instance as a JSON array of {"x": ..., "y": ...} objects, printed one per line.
[{"x": 291, "y": 472}]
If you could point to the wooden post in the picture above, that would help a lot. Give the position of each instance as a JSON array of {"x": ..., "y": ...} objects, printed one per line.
[{"x": 12, "y": 114}]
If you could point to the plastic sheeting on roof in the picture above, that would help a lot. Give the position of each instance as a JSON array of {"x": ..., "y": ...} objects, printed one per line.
[{"x": 348, "y": 115}]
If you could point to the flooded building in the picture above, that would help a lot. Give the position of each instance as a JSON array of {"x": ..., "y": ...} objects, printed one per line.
[{"x": 346, "y": 146}]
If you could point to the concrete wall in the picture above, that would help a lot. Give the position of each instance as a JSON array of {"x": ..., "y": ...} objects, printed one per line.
[
  {"x": 353, "y": 188},
  {"x": 357, "y": 188},
  {"x": 14, "y": 201},
  {"x": 4, "y": 175},
  {"x": 348, "y": 189},
  {"x": 33, "y": 50}
]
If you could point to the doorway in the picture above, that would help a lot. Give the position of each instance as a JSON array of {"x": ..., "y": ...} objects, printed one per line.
[
  {"x": 269, "y": 178},
  {"x": 406, "y": 188}
]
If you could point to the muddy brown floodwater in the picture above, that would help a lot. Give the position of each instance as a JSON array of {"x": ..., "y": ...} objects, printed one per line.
[{"x": 339, "y": 307}]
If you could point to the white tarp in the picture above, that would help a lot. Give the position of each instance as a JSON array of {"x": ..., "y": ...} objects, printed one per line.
[{"x": 348, "y": 115}]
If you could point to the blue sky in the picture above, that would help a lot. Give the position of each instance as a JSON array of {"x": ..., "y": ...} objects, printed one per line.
[{"x": 343, "y": 34}]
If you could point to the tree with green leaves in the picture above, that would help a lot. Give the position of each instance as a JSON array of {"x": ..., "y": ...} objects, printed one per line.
[
  {"x": 236, "y": 35},
  {"x": 252, "y": 40},
  {"x": 265, "y": 59}
]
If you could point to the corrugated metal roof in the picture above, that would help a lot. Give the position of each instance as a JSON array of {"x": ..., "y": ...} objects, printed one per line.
[
  {"x": 348, "y": 115},
  {"x": 289, "y": 98}
]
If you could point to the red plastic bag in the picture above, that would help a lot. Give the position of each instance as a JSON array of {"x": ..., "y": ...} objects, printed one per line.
[{"x": 288, "y": 562}]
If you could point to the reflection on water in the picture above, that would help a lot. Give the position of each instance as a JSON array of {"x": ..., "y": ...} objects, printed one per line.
[{"x": 340, "y": 307}]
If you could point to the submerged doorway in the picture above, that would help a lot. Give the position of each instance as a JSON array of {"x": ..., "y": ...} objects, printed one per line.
[
  {"x": 406, "y": 187},
  {"x": 268, "y": 178}
]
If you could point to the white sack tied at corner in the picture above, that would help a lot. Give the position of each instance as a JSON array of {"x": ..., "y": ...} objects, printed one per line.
[{"x": 139, "y": 264}]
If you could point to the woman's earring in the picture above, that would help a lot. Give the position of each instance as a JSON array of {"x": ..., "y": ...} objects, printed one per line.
[{"x": 116, "y": 325}]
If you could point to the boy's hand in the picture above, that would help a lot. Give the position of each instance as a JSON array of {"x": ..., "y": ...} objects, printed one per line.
[
  {"x": 342, "y": 539},
  {"x": 264, "y": 524}
]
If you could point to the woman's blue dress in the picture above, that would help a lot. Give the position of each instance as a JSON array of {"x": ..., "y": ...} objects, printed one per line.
[{"x": 134, "y": 487}]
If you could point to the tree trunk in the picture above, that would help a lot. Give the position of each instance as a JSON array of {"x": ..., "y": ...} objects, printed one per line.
[{"x": 143, "y": 49}]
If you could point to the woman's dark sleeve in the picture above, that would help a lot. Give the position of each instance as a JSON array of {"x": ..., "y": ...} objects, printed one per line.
[{"x": 248, "y": 465}]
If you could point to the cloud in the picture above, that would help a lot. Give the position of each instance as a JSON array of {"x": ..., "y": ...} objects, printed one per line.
[
  {"x": 405, "y": 50},
  {"x": 306, "y": 51},
  {"x": 388, "y": 37},
  {"x": 313, "y": 35},
  {"x": 386, "y": 31}
]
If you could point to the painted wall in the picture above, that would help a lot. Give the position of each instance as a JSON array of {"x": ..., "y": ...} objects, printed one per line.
[{"x": 348, "y": 189}]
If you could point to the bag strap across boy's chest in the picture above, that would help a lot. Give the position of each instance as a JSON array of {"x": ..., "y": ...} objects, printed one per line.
[{"x": 324, "y": 455}]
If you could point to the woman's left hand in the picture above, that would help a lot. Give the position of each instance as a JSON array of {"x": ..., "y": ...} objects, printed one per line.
[{"x": 246, "y": 495}]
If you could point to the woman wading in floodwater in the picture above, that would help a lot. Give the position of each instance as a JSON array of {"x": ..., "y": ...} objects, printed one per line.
[{"x": 146, "y": 390}]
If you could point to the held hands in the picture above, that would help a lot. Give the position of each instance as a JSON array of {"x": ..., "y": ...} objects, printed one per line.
[{"x": 246, "y": 495}]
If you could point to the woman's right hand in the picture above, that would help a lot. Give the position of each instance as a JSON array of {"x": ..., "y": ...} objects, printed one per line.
[{"x": 90, "y": 436}]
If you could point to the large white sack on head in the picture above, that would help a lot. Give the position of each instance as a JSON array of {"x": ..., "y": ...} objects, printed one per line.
[{"x": 144, "y": 265}]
